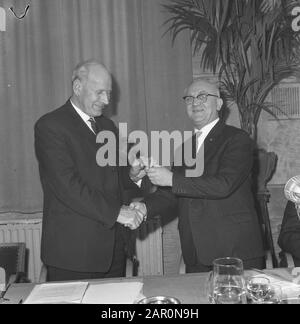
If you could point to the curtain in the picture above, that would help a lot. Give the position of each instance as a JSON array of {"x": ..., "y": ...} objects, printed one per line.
[{"x": 38, "y": 53}]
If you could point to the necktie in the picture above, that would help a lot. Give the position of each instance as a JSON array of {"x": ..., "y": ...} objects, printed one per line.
[{"x": 94, "y": 125}]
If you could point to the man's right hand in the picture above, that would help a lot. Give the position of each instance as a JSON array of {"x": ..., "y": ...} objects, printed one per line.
[{"x": 130, "y": 217}]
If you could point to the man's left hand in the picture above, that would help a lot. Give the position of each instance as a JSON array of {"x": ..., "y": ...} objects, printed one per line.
[
  {"x": 160, "y": 176},
  {"x": 137, "y": 171}
]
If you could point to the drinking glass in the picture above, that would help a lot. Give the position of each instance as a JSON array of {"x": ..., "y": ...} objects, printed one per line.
[
  {"x": 228, "y": 281},
  {"x": 210, "y": 288},
  {"x": 274, "y": 295},
  {"x": 258, "y": 289}
]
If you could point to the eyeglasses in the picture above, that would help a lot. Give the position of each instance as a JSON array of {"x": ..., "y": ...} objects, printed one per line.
[{"x": 201, "y": 98}]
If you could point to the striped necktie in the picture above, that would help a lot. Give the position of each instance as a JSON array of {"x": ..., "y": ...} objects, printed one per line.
[{"x": 94, "y": 125}]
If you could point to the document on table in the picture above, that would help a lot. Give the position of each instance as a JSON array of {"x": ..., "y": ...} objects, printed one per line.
[
  {"x": 57, "y": 293},
  {"x": 113, "y": 293}
]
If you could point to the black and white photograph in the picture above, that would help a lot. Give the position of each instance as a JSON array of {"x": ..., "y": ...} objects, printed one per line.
[{"x": 149, "y": 154}]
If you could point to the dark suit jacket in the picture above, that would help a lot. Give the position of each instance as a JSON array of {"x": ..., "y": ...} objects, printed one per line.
[
  {"x": 289, "y": 237},
  {"x": 81, "y": 199},
  {"x": 216, "y": 210}
]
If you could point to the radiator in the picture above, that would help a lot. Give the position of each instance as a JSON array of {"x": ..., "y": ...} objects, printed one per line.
[
  {"x": 286, "y": 96},
  {"x": 28, "y": 231},
  {"x": 148, "y": 244},
  {"x": 149, "y": 249}
]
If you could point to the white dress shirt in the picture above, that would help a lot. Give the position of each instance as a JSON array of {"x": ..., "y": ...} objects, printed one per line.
[
  {"x": 204, "y": 132},
  {"x": 85, "y": 117}
]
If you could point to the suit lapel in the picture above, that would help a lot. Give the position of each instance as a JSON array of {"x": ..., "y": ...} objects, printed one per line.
[
  {"x": 210, "y": 150},
  {"x": 210, "y": 147},
  {"x": 78, "y": 122}
]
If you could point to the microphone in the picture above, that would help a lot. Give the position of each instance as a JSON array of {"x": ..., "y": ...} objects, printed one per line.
[{"x": 292, "y": 192}]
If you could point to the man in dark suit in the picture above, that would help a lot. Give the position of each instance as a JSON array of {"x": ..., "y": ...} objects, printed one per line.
[
  {"x": 216, "y": 211},
  {"x": 83, "y": 216},
  {"x": 289, "y": 236}
]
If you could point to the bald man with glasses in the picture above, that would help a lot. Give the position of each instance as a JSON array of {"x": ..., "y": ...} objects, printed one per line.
[{"x": 217, "y": 217}]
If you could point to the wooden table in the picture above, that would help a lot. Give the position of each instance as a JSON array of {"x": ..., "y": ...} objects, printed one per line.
[{"x": 188, "y": 288}]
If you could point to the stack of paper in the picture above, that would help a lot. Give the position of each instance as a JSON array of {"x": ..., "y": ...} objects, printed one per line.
[
  {"x": 57, "y": 293},
  {"x": 83, "y": 292},
  {"x": 113, "y": 293}
]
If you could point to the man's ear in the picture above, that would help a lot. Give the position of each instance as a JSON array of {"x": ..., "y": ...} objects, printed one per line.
[
  {"x": 219, "y": 104},
  {"x": 77, "y": 87}
]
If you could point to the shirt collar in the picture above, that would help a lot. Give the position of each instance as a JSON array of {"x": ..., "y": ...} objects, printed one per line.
[
  {"x": 207, "y": 128},
  {"x": 82, "y": 114}
]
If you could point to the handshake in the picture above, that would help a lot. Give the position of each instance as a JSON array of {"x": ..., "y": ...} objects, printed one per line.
[{"x": 132, "y": 216}]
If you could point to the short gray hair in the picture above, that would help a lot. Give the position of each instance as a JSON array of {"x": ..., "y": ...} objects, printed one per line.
[{"x": 81, "y": 71}]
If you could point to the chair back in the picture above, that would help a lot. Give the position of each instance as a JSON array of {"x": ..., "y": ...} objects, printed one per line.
[
  {"x": 287, "y": 261},
  {"x": 12, "y": 260},
  {"x": 264, "y": 167}
]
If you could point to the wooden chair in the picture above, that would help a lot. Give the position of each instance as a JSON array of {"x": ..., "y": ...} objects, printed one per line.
[
  {"x": 264, "y": 167},
  {"x": 12, "y": 260},
  {"x": 132, "y": 262},
  {"x": 286, "y": 260},
  {"x": 43, "y": 274}
]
